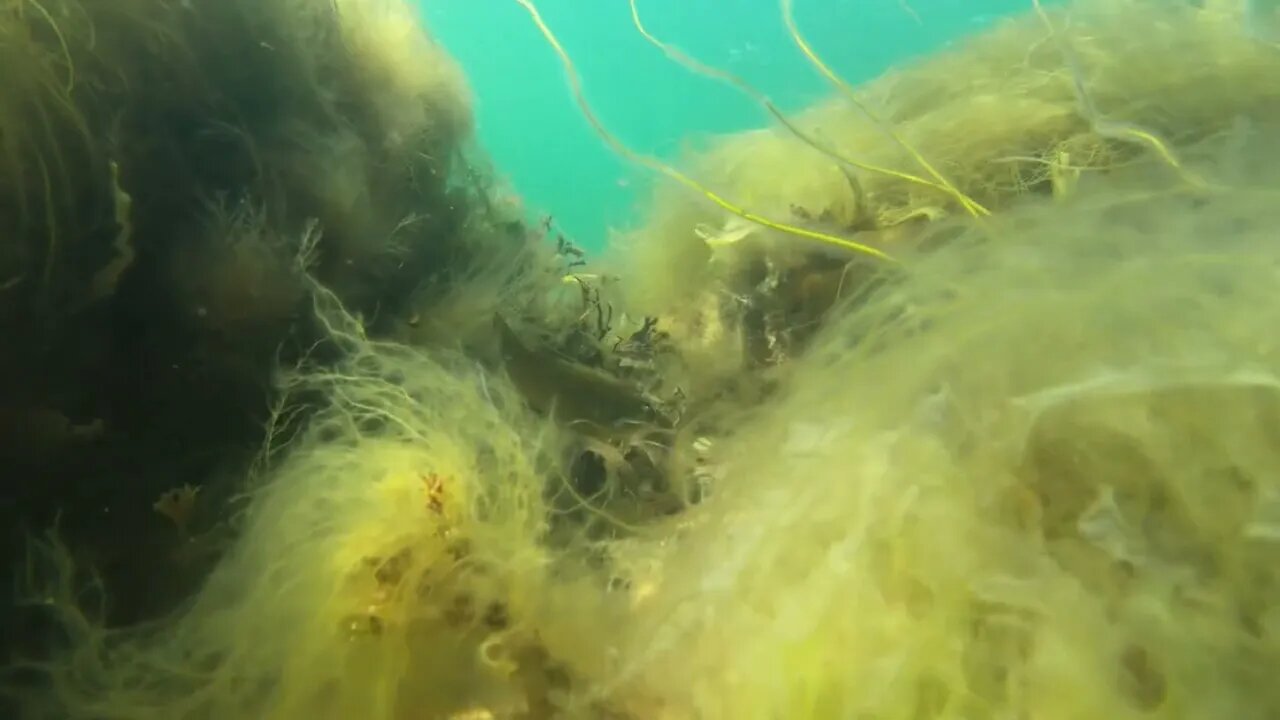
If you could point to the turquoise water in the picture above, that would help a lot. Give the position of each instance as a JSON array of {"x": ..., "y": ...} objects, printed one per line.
[{"x": 530, "y": 126}]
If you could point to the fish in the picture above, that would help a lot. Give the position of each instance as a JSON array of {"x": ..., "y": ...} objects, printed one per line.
[{"x": 587, "y": 398}]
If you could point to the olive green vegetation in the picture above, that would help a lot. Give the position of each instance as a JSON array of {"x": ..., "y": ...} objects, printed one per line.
[
  {"x": 170, "y": 172},
  {"x": 1019, "y": 461},
  {"x": 1028, "y": 110}
]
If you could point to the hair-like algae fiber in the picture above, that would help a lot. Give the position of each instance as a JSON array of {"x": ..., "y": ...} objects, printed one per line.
[
  {"x": 953, "y": 505},
  {"x": 1031, "y": 472},
  {"x": 160, "y": 165},
  {"x": 1025, "y": 109}
]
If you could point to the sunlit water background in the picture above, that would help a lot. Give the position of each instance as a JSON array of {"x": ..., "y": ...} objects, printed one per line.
[{"x": 533, "y": 131}]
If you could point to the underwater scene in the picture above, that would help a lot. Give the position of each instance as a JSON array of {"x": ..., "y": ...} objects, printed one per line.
[{"x": 640, "y": 359}]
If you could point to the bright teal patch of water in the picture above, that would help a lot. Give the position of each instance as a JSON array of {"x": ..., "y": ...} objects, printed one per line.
[{"x": 530, "y": 126}]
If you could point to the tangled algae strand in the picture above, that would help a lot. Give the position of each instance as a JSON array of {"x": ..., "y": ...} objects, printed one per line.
[
  {"x": 672, "y": 173},
  {"x": 1033, "y": 477}
]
